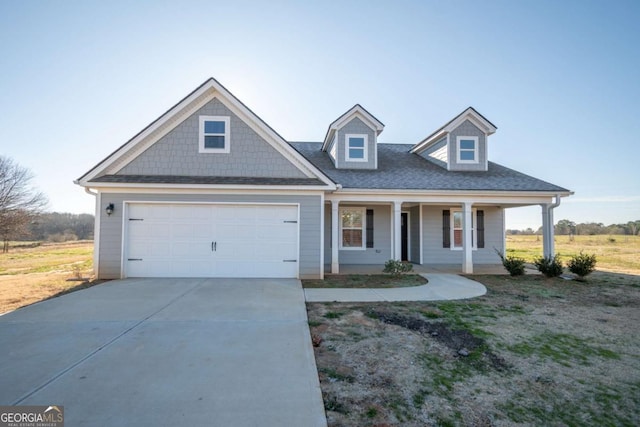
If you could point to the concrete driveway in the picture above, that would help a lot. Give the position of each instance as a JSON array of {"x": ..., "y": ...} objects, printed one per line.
[{"x": 218, "y": 352}]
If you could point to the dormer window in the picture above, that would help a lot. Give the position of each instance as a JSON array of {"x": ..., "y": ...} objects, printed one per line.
[
  {"x": 356, "y": 147},
  {"x": 467, "y": 148},
  {"x": 214, "y": 134}
]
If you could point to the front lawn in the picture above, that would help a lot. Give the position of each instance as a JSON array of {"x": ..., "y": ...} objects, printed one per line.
[{"x": 532, "y": 351}]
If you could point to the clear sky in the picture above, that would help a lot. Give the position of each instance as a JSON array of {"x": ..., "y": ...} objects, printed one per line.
[{"x": 560, "y": 79}]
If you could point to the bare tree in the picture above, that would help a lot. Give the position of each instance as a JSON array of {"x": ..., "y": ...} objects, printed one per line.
[{"x": 20, "y": 202}]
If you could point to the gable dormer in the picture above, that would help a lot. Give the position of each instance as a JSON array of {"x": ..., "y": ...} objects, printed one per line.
[
  {"x": 459, "y": 145},
  {"x": 352, "y": 138}
]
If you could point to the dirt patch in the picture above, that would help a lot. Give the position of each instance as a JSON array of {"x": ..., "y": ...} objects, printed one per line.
[{"x": 532, "y": 351}]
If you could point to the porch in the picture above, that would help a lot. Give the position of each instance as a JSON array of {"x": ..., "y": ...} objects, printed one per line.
[
  {"x": 419, "y": 269},
  {"x": 443, "y": 234}
]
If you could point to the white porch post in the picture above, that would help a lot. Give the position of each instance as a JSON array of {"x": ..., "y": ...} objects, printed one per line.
[
  {"x": 335, "y": 264},
  {"x": 548, "y": 246},
  {"x": 467, "y": 239},
  {"x": 397, "y": 233}
]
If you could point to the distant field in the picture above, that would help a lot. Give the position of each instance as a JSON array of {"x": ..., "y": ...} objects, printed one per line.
[
  {"x": 614, "y": 253},
  {"x": 31, "y": 274}
]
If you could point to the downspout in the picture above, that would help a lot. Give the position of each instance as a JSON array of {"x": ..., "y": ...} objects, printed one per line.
[{"x": 96, "y": 232}]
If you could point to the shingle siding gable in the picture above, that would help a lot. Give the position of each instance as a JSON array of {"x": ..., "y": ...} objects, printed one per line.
[
  {"x": 355, "y": 126},
  {"x": 176, "y": 153},
  {"x": 467, "y": 129}
]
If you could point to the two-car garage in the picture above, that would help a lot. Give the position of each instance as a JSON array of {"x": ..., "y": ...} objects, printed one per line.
[{"x": 210, "y": 240}]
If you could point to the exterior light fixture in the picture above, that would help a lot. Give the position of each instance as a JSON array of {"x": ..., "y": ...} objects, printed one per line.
[{"x": 110, "y": 209}]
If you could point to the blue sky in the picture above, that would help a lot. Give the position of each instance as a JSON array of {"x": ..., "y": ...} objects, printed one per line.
[{"x": 560, "y": 79}]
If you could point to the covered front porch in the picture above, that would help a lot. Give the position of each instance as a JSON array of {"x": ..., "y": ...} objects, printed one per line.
[
  {"x": 419, "y": 269},
  {"x": 437, "y": 234}
]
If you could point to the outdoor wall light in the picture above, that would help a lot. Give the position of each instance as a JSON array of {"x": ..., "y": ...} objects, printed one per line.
[{"x": 110, "y": 209}]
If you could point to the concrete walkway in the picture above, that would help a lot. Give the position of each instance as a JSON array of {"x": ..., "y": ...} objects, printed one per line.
[
  {"x": 440, "y": 287},
  {"x": 184, "y": 352}
]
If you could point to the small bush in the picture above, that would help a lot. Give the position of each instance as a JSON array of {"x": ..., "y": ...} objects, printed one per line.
[
  {"x": 582, "y": 265},
  {"x": 514, "y": 265},
  {"x": 549, "y": 266},
  {"x": 397, "y": 268}
]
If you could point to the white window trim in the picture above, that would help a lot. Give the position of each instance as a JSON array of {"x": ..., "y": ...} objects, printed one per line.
[
  {"x": 475, "y": 160},
  {"x": 227, "y": 134},
  {"x": 363, "y": 213},
  {"x": 347, "y": 139},
  {"x": 474, "y": 232}
]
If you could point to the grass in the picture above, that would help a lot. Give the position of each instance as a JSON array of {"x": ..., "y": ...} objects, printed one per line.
[
  {"x": 548, "y": 352},
  {"x": 562, "y": 348},
  {"x": 619, "y": 254},
  {"x": 365, "y": 281},
  {"x": 33, "y": 272},
  {"x": 47, "y": 258}
]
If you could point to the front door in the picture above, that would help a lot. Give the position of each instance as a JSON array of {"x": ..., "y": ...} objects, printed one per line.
[{"x": 404, "y": 233}]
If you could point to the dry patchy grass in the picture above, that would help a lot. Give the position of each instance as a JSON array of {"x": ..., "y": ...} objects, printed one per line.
[
  {"x": 618, "y": 254},
  {"x": 533, "y": 351},
  {"x": 31, "y": 274}
]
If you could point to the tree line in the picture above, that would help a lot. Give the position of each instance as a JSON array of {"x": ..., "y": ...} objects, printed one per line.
[
  {"x": 565, "y": 227},
  {"x": 23, "y": 213},
  {"x": 61, "y": 227}
]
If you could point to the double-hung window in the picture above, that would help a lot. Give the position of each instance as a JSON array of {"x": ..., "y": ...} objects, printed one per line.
[
  {"x": 352, "y": 228},
  {"x": 356, "y": 147},
  {"x": 457, "y": 229},
  {"x": 467, "y": 149},
  {"x": 214, "y": 134}
]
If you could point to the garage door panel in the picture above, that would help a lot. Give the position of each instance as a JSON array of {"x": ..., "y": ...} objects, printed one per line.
[
  {"x": 176, "y": 241},
  {"x": 286, "y": 232}
]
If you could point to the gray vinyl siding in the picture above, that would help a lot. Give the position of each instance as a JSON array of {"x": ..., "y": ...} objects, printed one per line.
[
  {"x": 438, "y": 153},
  {"x": 356, "y": 126},
  {"x": 176, "y": 153},
  {"x": 333, "y": 149},
  {"x": 110, "y": 242},
  {"x": 414, "y": 234},
  {"x": 434, "y": 253},
  {"x": 467, "y": 129},
  {"x": 379, "y": 254}
]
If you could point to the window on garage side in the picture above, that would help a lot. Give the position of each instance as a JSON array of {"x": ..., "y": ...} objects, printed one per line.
[
  {"x": 352, "y": 228},
  {"x": 214, "y": 134}
]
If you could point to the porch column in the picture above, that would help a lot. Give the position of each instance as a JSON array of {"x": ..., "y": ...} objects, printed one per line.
[
  {"x": 397, "y": 231},
  {"x": 335, "y": 264},
  {"x": 467, "y": 239},
  {"x": 548, "y": 246}
]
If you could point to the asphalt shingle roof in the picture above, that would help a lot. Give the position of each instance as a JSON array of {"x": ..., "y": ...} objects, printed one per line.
[{"x": 400, "y": 169}]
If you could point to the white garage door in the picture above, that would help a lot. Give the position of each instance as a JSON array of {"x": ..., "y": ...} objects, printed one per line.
[{"x": 184, "y": 240}]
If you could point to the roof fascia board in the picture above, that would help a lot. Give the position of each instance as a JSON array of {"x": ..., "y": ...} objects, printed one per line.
[
  {"x": 474, "y": 117},
  {"x": 199, "y": 97},
  {"x": 515, "y": 199},
  {"x": 144, "y": 133},
  {"x": 356, "y": 111},
  {"x": 471, "y": 114},
  {"x": 119, "y": 186}
]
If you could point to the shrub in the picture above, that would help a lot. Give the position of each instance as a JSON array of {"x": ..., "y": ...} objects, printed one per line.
[
  {"x": 514, "y": 265},
  {"x": 582, "y": 265},
  {"x": 549, "y": 266},
  {"x": 397, "y": 268}
]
